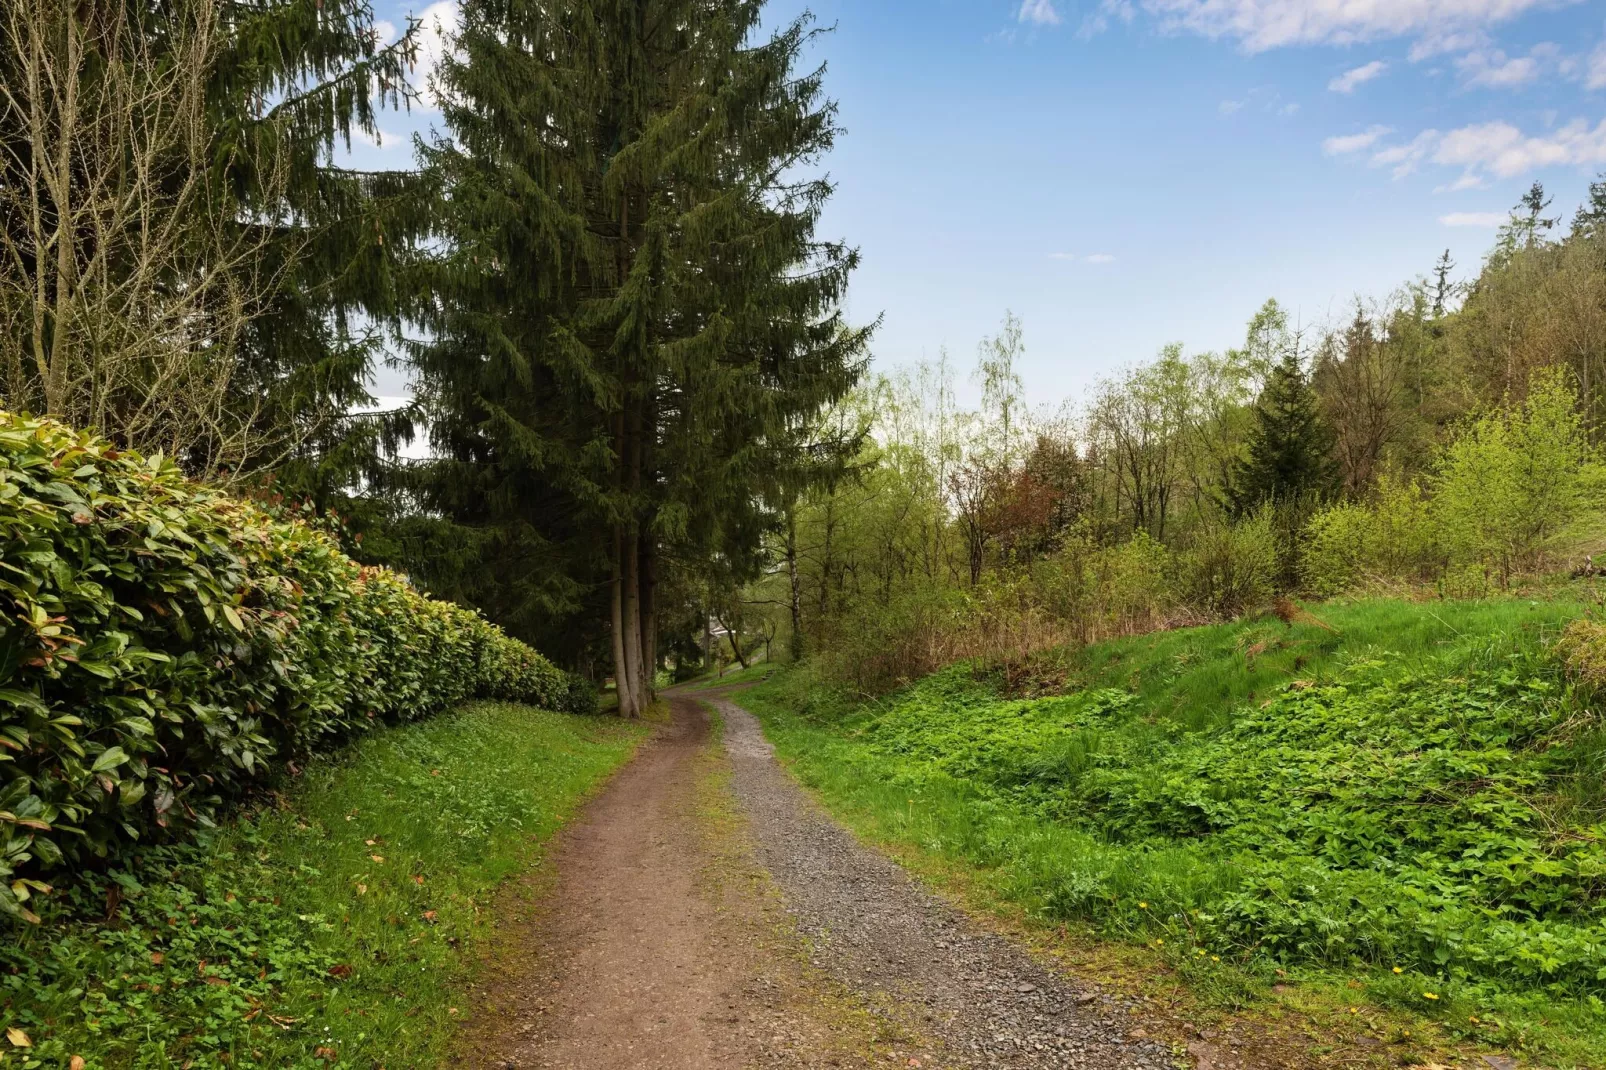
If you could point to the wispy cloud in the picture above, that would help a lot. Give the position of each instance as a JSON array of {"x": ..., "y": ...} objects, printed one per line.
[
  {"x": 1465, "y": 182},
  {"x": 1344, "y": 144},
  {"x": 380, "y": 139},
  {"x": 1096, "y": 22},
  {"x": 437, "y": 26},
  {"x": 1091, "y": 258},
  {"x": 1062, "y": 256},
  {"x": 1493, "y": 69},
  {"x": 1260, "y": 25},
  {"x": 1405, "y": 158},
  {"x": 1038, "y": 13},
  {"x": 1262, "y": 98},
  {"x": 1493, "y": 148},
  {"x": 1346, "y": 82},
  {"x": 1101, "y": 258},
  {"x": 1595, "y": 75},
  {"x": 1488, "y": 220}
]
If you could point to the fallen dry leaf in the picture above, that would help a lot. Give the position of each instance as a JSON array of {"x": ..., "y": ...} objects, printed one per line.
[
  {"x": 157, "y": 958},
  {"x": 18, "y": 1038},
  {"x": 380, "y": 859},
  {"x": 76, "y": 1063},
  {"x": 341, "y": 972}
]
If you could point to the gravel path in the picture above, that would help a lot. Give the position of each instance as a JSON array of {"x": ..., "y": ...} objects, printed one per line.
[{"x": 875, "y": 930}]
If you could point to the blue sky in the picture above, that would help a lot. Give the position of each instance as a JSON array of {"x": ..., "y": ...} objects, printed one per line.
[{"x": 1127, "y": 173}]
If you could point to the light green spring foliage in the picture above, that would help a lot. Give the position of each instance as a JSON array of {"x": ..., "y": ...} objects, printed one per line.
[
  {"x": 348, "y": 919},
  {"x": 1503, "y": 492},
  {"x": 1415, "y": 789}
]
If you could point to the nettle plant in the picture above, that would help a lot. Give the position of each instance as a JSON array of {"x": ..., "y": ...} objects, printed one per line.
[{"x": 165, "y": 647}]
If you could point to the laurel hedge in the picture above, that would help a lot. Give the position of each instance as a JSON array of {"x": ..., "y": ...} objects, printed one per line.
[{"x": 167, "y": 647}]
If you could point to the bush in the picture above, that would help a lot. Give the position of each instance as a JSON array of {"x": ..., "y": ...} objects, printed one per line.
[
  {"x": 1231, "y": 569},
  {"x": 167, "y": 647},
  {"x": 1355, "y": 544}
]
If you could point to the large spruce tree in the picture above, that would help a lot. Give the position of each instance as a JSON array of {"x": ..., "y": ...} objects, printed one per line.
[{"x": 630, "y": 314}]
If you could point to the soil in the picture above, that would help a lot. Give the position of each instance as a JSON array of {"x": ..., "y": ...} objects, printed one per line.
[{"x": 704, "y": 912}]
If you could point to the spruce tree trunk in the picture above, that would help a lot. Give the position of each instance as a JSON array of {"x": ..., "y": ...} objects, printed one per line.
[
  {"x": 632, "y": 619},
  {"x": 621, "y": 669},
  {"x": 649, "y": 619}
]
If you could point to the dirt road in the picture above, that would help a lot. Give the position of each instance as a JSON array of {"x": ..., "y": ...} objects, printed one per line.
[{"x": 706, "y": 914}]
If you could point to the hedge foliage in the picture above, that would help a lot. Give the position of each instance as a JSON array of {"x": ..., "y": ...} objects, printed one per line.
[{"x": 167, "y": 646}]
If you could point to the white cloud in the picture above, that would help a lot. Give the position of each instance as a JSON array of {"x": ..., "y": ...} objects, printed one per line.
[
  {"x": 384, "y": 31},
  {"x": 1493, "y": 148},
  {"x": 380, "y": 139},
  {"x": 1506, "y": 151},
  {"x": 437, "y": 25},
  {"x": 1101, "y": 258},
  {"x": 1595, "y": 77},
  {"x": 1098, "y": 21},
  {"x": 1264, "y": 24},
  {"x": 1474, "y": 219},
  {"x": 1443, "y": 42},
  {"x": 1261, "y": 98},
  {"x": 1405, "y": 158},
  {"x": 1465, "y": 182},
  {"x": 1344, "y": 144},
  {"x": 1346, "y": 82},
  {"x": 1038, "y": 12},
  {"x": 1493, "y": 69}
]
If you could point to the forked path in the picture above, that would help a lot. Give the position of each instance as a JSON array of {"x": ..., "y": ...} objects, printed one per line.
[{"x": 707, "y": 914}]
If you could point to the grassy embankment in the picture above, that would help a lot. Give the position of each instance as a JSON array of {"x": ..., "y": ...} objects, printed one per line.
[
  {"x": 339, "y": 928},
  {"x": 1405, "y": 808}
]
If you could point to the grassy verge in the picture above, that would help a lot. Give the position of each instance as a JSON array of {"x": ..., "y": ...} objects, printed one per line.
[
  {"x": 1399, "y": 812},
  {"x": 337, "y": 928}
]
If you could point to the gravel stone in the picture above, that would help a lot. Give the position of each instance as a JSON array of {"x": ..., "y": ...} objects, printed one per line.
[{"x": 873, "y": 928}]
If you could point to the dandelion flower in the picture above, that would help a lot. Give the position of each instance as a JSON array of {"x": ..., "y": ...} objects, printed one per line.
[
  {"x": 1430, "y": 995},
  {"x": 1398, "y": 970},
  {"x": 1143, "y": 906}
]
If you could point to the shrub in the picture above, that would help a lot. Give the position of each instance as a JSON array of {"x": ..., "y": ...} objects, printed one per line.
[
  {"x": 1512, "y": 480},
  {"x": 1232, "y": 568},
  {"x": 1393, "y": 538},
  {"x": 167, "y": 647}
]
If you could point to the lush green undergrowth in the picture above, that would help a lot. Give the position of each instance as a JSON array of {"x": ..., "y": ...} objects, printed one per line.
[
  {"x": 334, "y": 929},
  {"x": 169, "y": 649},
  {"x": 1405, "y": 792}
]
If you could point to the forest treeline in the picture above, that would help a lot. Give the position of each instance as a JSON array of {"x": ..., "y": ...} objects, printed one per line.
[
  {"x": 642, "y": 405},
  {"x": 1443, "y": 440},
  {"x": 601, "y": 275}
]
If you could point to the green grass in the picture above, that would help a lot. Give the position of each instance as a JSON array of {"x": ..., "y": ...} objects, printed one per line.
[
  {"x": 1415, "y": 790},
  {"x": 336, "y": 928}
]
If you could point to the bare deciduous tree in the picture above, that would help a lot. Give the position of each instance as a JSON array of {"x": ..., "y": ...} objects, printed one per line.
[{"x": 128, "y": 275}]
